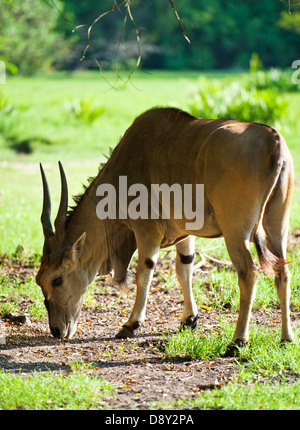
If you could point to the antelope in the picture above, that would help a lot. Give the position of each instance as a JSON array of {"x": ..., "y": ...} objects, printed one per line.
[{"x": 247, "y": 173}]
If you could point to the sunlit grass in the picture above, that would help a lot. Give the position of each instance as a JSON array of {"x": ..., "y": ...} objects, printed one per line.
[
  {"x": 266, "y": 376},
  {"x": 234, "y": 396},
  {"x": 263, "y": 355},
  {"x": 54, "y": 391},
  {"x": 14, "y": 291}
]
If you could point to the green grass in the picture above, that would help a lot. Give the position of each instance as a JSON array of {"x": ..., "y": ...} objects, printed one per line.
[
  {"x": 222, "y": 287},
  {"x": 42, "y": 115},
  {"x": 21, "y": 201},
  {"x": 235, "y": 396},
  {"x": 74, "y": 391},
  {"x": 13, "y": 291},
  {"x": 267, "y": 375},
  {"x": 263, "y": 355},
  {"x": 75, "y": 118}
]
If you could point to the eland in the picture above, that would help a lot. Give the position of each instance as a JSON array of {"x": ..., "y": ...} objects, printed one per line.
[{"x": 247, "y": 173}]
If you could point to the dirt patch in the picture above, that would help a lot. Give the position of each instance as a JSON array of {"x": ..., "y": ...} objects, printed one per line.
[
  {"x": 138, "y": 367},
  {"x": 294, "y": 239}
]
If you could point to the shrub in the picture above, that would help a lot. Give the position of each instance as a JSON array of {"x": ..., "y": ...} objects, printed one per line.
[
  {"x": 29, "y": 40},
  {"x": 3, "y": 102},
  {"x": 273, "y": 79},
  {"x": 84, "y": 110},
  {"x": 237, "y": 101}
]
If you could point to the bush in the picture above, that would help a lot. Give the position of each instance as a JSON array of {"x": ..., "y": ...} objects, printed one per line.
[
  {"x": 237, "y": 101},
  {"x": 3, "y": 102},
  {"x": 84, "y": 110},
  {"x": 273, "y": 79},
  {"x": 29, "y": 40}
]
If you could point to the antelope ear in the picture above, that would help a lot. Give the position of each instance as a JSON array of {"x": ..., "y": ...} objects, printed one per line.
[{"x": 77, "y": 248}]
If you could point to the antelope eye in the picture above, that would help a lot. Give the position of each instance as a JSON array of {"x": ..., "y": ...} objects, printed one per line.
[{"x": 57, "y": 282}]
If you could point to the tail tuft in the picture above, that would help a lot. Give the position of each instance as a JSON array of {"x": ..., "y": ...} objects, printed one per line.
[{"x": 270, "y": 263}]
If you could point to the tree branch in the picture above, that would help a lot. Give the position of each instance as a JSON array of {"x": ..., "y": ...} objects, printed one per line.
[
  {"x": 128, "y": 13},
  {"x": 289, "y": 3},
  {"x": 179, "y": 22}
]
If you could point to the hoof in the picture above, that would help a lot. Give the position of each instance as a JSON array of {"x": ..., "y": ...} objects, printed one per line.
[
  {"x": 191, "y": 322},
  {"x": 233, "y": 348},
  {"x": 127, "y": 331},
  {"x": 285, "y": 342}
]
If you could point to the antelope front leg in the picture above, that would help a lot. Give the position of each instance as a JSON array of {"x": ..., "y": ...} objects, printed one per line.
[{"x": 146, "y": 263}]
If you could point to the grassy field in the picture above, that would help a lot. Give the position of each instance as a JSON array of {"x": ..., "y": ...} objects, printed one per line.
[{"x": 75, "y": 119}]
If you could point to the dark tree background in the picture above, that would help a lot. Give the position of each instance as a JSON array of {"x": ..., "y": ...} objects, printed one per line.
[{"x": 223, "y": 33}]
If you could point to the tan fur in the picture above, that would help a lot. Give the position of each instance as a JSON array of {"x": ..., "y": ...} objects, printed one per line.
[{"x": 247, "y": 173}]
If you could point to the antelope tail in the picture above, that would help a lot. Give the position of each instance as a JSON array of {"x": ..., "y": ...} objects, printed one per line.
[{"x": 270, "y": 263}]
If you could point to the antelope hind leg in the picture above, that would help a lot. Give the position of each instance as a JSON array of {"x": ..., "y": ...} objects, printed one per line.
[
  {"x": 184, "y": 272},
  {"x": 247, "y": 275}
]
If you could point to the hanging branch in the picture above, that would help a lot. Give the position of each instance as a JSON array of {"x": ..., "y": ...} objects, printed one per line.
[
  {"x": 90, "y": 27},
  {"x": 128, "y": 13},
  {"x": 119, "y": 44},
  {"x": 179, "y": 22},
  {"x": 137, "y": 34},
  {"x": 289, "y": 3},
  {"x": 137, "y": 31}
]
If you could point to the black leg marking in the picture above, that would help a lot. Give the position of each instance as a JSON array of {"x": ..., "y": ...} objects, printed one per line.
[
  {"x": 186, "y": 259},
  {"x": 149, "y": 263}
]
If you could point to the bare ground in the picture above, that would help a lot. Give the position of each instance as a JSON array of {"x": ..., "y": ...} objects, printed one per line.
[{"x": 138, "y": 367}]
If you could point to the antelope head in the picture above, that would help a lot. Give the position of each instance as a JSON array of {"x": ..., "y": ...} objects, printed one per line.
[{"x": 61, "y": 277}]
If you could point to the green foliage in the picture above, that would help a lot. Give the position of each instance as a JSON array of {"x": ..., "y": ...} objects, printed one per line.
[
  {"x": 3, "y": 102},
  {"x": 84, "y": 110},
  {"x": 28, "y": 39},
  {"x": 290, "y": 22},
  {"x": 255, "y": 64},
  {"x": 223, "y": 34},
  {"x": 238, "y": 101},
  {"x": 276, "y": 80},
  {"x": 257, "y": 97},
  {"x": 38, "y": 34}
]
